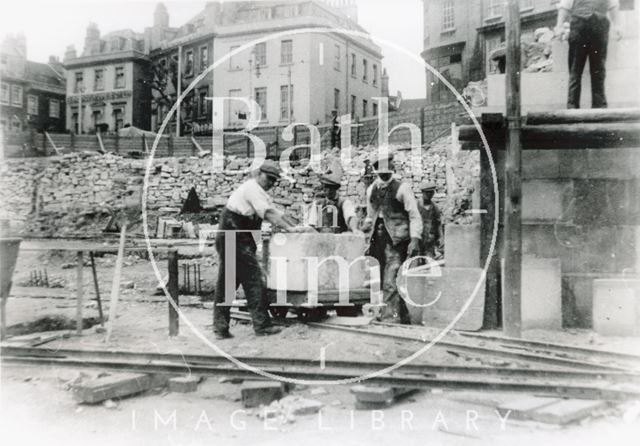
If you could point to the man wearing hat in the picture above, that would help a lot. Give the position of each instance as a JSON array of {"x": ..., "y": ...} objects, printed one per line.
[
  {"x": 247, "y": 206},
  {"x": 330, "y": 212},
  {"x": 397, "y": 228},
  {"x": 431, "y": 221}
]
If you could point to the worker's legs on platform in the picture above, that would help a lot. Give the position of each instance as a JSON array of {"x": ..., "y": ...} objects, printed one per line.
[
  {"x": 221, "y": 313},
  {"x": 250, "y": 276},
  {"x": 597, "y": 62}
]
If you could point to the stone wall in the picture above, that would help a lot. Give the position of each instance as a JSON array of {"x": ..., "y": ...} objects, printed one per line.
[{"x": 62, "y": 195}]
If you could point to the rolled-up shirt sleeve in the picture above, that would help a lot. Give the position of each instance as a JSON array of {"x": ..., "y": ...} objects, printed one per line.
[
  {"x": 258, "y": 199},
  {"x": 405, "y": 196},
  {"x": 348, "y": 210}
]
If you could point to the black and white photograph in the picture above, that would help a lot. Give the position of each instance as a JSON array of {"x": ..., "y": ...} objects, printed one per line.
[{"x": 320, "y": 222}]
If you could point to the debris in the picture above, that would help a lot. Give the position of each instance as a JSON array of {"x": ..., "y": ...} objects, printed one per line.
[
  {"x": 110, "y": 404},
  {"x": 111, "y": 386},
  {"x": 128, "y": 284},
  {"x": 319, "y": 391},
  {"x": 373, "y": 397},
  {"x": 290, "y": 407},
  {"x": 256, "y": 393},
  {"x": 184, "y": 384}
]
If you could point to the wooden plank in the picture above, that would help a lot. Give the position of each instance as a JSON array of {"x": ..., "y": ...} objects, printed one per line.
[
  {"x": 79, "y": 292},
  {"x": 172, "y": 288},
  {"x": 111, "y": 386},
  {"x": 97, "y": 288},
  {"x": 521, "y": 408},
  {"x": 115, "y": 286},
  {"x": 567, "y": 411},
  {"x": 583, "y": 116},
  {"x": 512, "y": 253}
]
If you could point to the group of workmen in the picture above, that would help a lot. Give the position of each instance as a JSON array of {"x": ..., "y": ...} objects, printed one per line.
[{"x": 399, "y": 226}]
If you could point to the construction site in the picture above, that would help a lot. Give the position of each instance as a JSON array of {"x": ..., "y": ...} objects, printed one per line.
[{"x": 149, "y": 294}]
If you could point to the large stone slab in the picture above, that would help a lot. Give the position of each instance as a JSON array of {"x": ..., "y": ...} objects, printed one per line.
[
  {"x": 541, "y": 293},
  {"x": 616, "y": 307},
  {"x": 462, "y": 246},
  {"x": 544, "y": 199},
  {"x": 296, "y": 260},
  {"x": 437, "y": 296}
]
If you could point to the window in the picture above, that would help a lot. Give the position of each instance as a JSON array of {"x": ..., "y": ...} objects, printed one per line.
[
  {"x": 526, "y": 5},
  {"x": 119, "y": 77},
  {"x": 375, "y": 109},
  {"x": 261, "y": 53},
  {"x": 16, "y": 96},
  {"x": 16, "y": 124},
  {"x": 204, "y": 58},
  {"x": 188, "y": 63},
  {"x": 261, "y": 100},
  {"x": 54, "y": 108},
  {"x": 450, "y": 67},
  {"x": 353, "y": 65},
  {"x": 336, "y": 99},
  {"x": 233, "y": 59},
  {"x": 365, "y": 107},
  {"x": 98, "y": 80},
  {"x": 32, "y": 104},
  {"x": 448, "y": 16},
  {"x": 365, "y": 70},
  {"x": 375, "y": 75},
  {"x": 353, "y": 106},
  {"x": 336, "y": 63},
  {"x": 496, "y": 8},
  {"x": 4, "y": 98},
  {"x": 492, "y": 44},
  {"x": 286, "y": 103},
  {"x": 79, "y": 84},
  {"x": 118, "y": 118},
  {"x": 202, "y": 102},
  {"x": 286, "y": 52}
]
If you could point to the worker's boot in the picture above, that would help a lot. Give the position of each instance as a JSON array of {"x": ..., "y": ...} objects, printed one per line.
[
  {"x": 220, "y": 335},
  {"x": 267, "y": 331}
]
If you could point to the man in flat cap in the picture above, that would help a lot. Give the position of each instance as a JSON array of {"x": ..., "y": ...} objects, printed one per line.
[
  {"x": 431, "y": 221},
  {"x": 392, "y": 209},
  {"x": 242, "y": 218},
  {"x": 330, "y": 212}
]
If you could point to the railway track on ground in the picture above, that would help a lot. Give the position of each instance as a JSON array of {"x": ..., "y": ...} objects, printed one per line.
[{"x": 555, "y": 383}]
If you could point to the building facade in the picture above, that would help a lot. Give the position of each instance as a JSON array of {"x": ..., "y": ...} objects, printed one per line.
[
  {"x": 33, "y": 93},
  {"x": 105, "y": 84},
  {"x": 459, "y": 36},
  {"x": 298, "y": 76}
]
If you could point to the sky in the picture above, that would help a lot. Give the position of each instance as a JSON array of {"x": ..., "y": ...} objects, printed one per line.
[{"x": 51, "y": 25}]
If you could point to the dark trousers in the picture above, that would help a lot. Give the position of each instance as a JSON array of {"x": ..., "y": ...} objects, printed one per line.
[
  {"x": 390, "y": 257},
  {"x": 588, "y": 39},
  {"x": 248, "y": 274}
]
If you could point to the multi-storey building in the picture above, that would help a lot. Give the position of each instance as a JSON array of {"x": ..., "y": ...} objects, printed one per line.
[
  {"x": 298, "y": 75},
  {"x": 33, "y": 93},
  {"x": 459, "y": 36},
  {"x": 105, "y": 84}
]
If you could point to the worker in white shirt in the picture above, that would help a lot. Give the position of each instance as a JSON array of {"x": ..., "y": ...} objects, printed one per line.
[
  {"x": 242, "y": 217},
  {"x": 392, "y": 212},
  {"x": 330, "y": 212}
]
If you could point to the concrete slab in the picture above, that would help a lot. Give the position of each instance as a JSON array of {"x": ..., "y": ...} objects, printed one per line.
[
  {"x": 544, "y": 199},
  {"x": 616, "y": 307},
  {"x": 437, "y": 297},
  {"x": 111, "y": 386},
  {"x": 541, "y": 293},
  {"x": 462, "y": 246},
  {"x": 257, "y": 393}
]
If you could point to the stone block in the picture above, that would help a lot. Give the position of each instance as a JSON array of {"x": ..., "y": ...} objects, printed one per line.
[
  {"x": 184, "y": 384},
  {"x": 462, "y": 246},
  {"x": 257, "y": 393},
  {"x": 544, "y": 199},
  {"x": 112, "y": 386},
  {"x": 541, "y": 293},
  {"x": 616, "y": 307}
]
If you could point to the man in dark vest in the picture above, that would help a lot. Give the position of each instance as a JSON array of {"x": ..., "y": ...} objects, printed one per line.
[
  {"x": 588, "y": 39},
  {"x": 330, "y": 212},
  {"x": 242, "y": 218},
  {"x": 397, "y": 228},
  {"x": 431, "y": 221}
]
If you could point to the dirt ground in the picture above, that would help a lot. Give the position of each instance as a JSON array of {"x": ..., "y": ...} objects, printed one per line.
[{"x": 37, "y": 405}]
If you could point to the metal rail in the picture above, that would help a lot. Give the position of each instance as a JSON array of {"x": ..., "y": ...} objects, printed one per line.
[
  {"x": 485, "y": 351},
  {"x": 588, "y": 391},
  {"x": 548, "y": 347},
  {"x": 364, "y": 366}
]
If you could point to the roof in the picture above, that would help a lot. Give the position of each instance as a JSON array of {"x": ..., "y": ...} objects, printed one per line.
[
  {"x": 410, "y": 104},
  {"x": 43, "y": 73}
]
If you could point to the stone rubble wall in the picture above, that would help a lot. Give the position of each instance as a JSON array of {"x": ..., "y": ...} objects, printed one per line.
[{"x": 51, "y": 195}]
